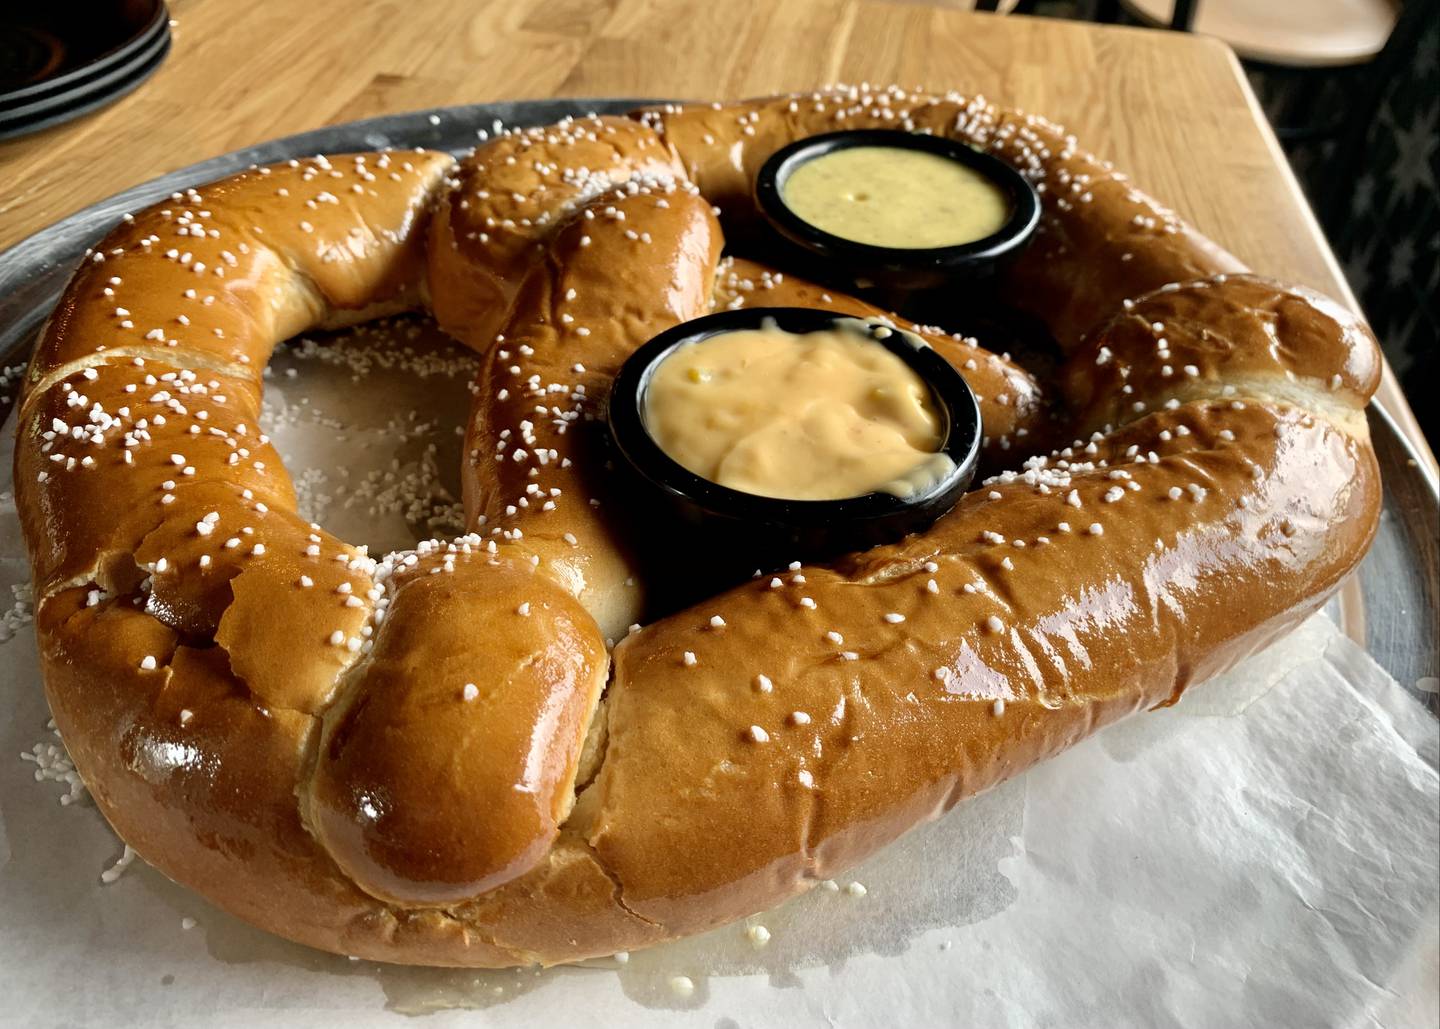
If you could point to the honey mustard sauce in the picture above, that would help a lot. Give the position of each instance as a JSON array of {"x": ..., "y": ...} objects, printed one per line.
[
  {"x": 896, "y": 197},
  {"x": 813, "y": 416}
]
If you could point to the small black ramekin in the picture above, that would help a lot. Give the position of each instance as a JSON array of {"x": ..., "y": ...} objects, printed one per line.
[
  {"x": 728, "y": 533},
  {"x": 892, "y": 268}
]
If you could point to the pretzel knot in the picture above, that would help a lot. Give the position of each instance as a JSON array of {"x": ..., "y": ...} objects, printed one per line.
[{"x": 444, "y": 756}]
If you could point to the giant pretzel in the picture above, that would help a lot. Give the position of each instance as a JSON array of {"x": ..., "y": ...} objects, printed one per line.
[{"x": 435, "y": 757}]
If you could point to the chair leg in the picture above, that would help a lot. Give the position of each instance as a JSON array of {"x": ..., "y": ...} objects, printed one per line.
[
  {"x": 1182, "y": 15},
  {"x": 1107, "y": 11}
]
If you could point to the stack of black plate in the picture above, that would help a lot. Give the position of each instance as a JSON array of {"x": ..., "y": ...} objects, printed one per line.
[{"x": 62, "y": 58}]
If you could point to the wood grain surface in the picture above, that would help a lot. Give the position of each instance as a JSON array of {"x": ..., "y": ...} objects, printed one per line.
[{"x": 1173, "y": 110}]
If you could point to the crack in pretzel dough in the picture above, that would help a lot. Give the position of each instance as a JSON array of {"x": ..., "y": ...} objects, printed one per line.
[{"x": 437, "y": 756}]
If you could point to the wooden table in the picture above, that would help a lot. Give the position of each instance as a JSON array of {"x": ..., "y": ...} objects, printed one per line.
[{"x": 1174, "y": 110}]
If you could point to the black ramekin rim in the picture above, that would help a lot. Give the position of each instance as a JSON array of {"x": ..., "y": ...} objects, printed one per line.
[
  {"x": 954, "y": 400},
  {"x": 1012, "y": 236}
]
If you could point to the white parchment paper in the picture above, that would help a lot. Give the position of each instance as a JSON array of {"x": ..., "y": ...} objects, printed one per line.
[{"x": 1263, "y": 854}]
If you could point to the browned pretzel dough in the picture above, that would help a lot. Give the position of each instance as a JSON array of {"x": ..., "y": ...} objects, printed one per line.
[{"x": 409, "y": 759}]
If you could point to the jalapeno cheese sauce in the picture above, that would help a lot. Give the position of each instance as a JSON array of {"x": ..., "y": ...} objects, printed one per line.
[
  {"x": 813, "y": 416},
  {"x": 896, "y": 197}
]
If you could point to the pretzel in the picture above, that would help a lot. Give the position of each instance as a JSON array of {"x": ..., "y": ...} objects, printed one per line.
[{"x": 444, "y": 756}]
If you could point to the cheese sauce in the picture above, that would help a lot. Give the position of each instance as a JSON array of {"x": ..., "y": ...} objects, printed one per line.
[
  {"x": 896, "y": 197},
  {"x": 814, "y": 416}
]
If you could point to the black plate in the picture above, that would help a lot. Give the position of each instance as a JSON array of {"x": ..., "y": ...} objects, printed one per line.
[
  {"x": 114, "y": 84},
  {"x": 95, "y": 80},
  {"x": 96, "y": 53}
]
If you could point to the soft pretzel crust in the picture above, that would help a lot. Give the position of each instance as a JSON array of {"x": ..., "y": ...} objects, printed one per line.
[{"x": 434, "y": 757}]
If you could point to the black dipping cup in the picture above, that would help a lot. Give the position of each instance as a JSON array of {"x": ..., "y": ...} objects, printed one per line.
[
  {"x": 894, "y": 269},
  {"x": 722, "y": 535}
]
